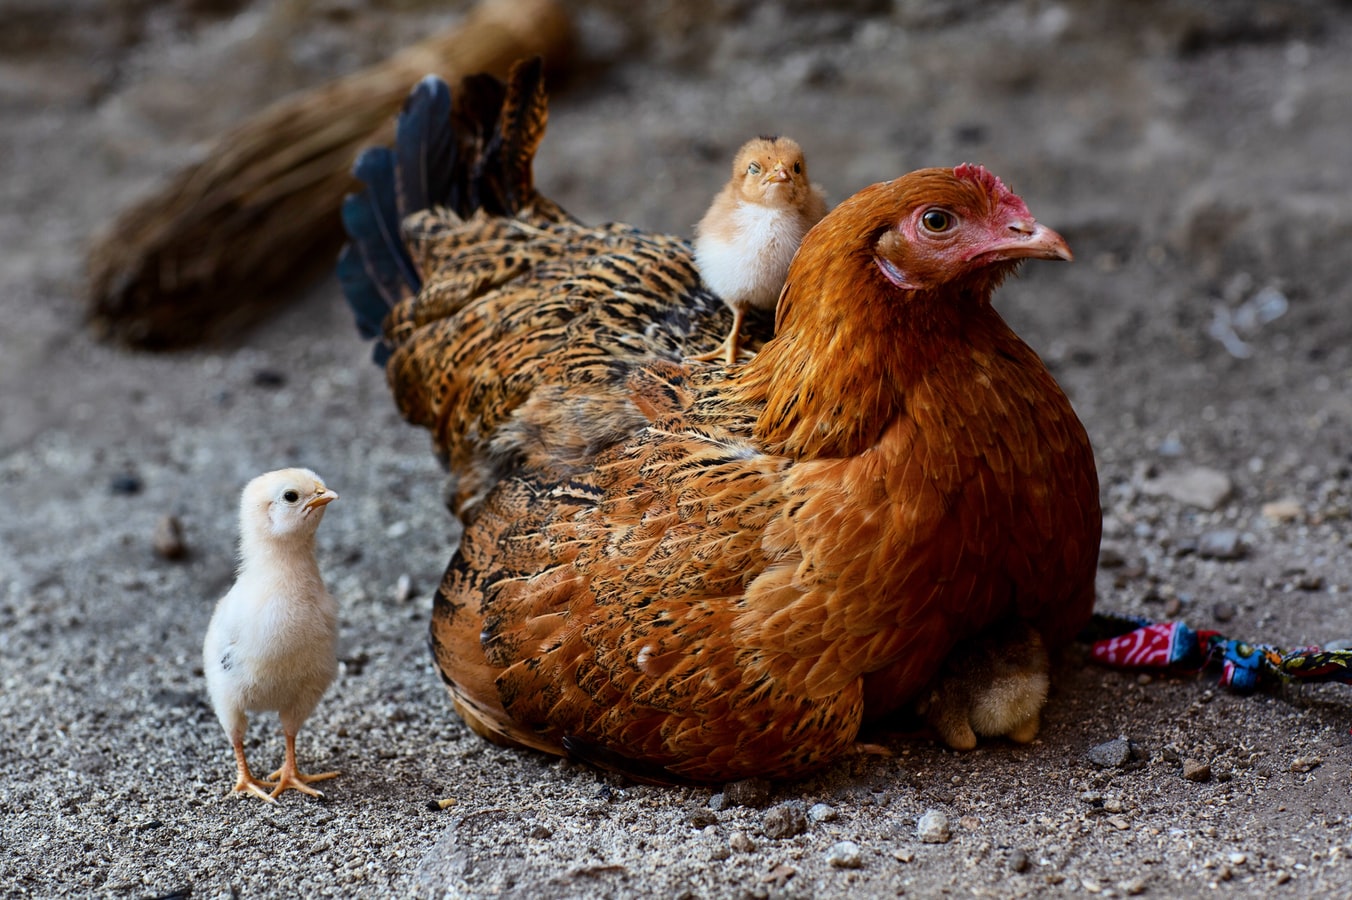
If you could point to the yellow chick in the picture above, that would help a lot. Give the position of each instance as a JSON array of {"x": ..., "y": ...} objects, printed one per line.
[
  {"x": 272, "y": 642},
  {"x": 745, "y": 242},
  {"x": 994, "y": 686}
]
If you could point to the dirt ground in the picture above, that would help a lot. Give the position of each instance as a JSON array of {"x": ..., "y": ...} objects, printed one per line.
[{"x": 1193, "y": 154}]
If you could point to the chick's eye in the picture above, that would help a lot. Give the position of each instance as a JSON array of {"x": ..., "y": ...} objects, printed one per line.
[
  {"x": 798, "y": 168},
  {"x": 936, "y": 221},
  {"x": 291, "y": 496},
  {"x": 753, "y": 169}
]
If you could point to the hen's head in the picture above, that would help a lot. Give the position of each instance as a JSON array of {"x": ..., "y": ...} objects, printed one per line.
[
  {"x": 958, "y": 228},
  {"x": 771, "y": 171},
  {"x": 283, "y": 505}
]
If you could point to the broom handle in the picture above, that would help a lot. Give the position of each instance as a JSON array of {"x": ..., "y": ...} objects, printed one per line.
[{"x": 241, "y": 222}]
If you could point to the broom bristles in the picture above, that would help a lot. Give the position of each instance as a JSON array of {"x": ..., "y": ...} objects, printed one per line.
[{"x": 228, "y": 237}]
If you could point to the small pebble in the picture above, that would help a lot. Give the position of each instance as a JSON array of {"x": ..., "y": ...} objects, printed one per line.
[
  {"x": 741, "y": 843},
  {"x": 903, "y": 855},
  {"x": 541, "y": 832},
  {"x": 168, "y": 538},
  {"x": 268, "y": 378},
  {"x": 719, "y": 852},
  {"x": 779, "y": 874},
  {"x": 1238, "y": 859},
  {"x": 785, "y": 820},
  {"x": 1110, "y": 754},
  {"x": 1111, "y": 557},
  {"x": 1201, "y": 487},
  {"x": 1222, "y": 611},
  {"x": 1282, "y": 510},
  {"x": 933, "y": 828},
  {"x": 1223, "y": 544},
  {"x": 1133, "y": 888},
  {"x": 822, "y": 812},
  {"x": 703, "y": 818},
  {"x": 403, "y": 588},
  {"x": 1018, "y": 861},
  {"x": 1196, "y": 770},
  {"x": 1305, "y": 763},
  {"x": 125, "y": 484},
  {"x": 1119, "y": 823},
  {"x": 753, "y": 792},
  {"x": 845, "y": 855}
]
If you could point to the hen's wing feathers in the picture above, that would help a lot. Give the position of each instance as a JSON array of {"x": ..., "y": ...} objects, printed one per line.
[{"x": 615, "y": 617}]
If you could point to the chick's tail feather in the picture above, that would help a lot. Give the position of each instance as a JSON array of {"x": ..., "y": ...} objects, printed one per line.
[{"x": 463, "y": 155}]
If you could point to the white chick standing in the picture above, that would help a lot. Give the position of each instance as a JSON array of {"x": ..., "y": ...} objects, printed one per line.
[
  {"x": 272, "y": 642},
  {"x": 745, "y": 242}
]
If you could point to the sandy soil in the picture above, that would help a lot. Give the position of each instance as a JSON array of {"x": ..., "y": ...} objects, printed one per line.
[{"x": 1195, "y": 160}]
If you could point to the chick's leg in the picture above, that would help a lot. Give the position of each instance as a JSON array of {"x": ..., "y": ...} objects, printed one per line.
[
  {"x": 290, "y": 778},
  {"x": 731, "y": 345},
  {"x": 244, "y": 780}
]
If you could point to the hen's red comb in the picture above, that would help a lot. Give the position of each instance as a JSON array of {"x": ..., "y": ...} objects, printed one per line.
[{"x": 980, "y": 176}]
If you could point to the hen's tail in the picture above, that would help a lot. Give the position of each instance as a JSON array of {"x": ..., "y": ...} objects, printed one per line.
[{"x": 471, "y": 154}]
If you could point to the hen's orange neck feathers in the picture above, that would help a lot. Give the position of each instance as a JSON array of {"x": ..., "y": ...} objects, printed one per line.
[{"x": 888, "y": 284}]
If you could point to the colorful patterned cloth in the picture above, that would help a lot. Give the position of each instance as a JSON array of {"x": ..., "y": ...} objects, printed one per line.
[{"x": 1131, "y": 643}]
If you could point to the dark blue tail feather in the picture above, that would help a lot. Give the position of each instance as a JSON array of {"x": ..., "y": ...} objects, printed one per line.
[
  {"x": 375, "y": 268},
  {"x": 471, "y": 154},
  {"x": 425, "y": 149}
]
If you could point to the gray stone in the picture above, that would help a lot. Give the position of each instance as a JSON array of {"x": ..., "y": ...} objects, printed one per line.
[
  {"x": 822, "y": 812},
  {"x": 1199, "y": 486},
  {"x": 933, "y": 827},
  {"x": 785, "y": 820},
  {"x": 1224, "y": 543},
  {"x": 845, "y": 855},
  {"x": 1110, "y": 754},
  {"x": 752, "y": 792}
]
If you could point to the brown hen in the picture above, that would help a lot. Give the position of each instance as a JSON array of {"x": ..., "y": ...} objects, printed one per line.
[{"x": 697, "y": 571}]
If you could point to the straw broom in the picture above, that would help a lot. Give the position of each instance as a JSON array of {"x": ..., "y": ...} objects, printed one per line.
[{"x": 229, "y": 237}]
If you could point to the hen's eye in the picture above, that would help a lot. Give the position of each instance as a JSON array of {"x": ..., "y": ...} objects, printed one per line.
[
  {"x": 936, "y": 220},
  {"x": 290, "y": 496},
  {"x": 753, "y": 169}
]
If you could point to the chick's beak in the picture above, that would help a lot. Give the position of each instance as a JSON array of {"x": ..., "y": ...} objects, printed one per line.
[
  {"x": 323, "y": 498},
  {"x": 1028, "y": 240},
  {"x": 779, "y": 173}
]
